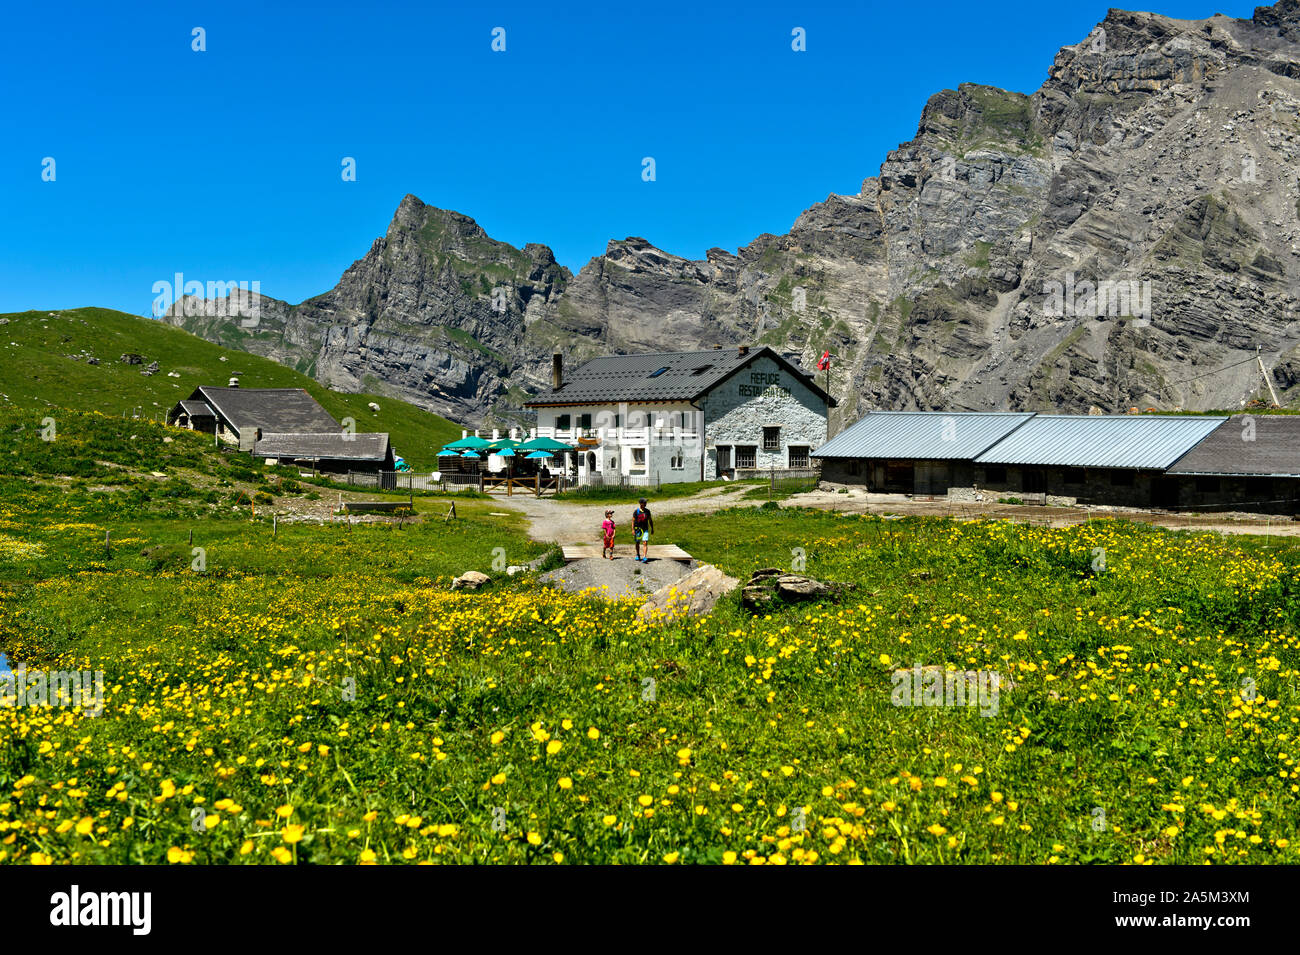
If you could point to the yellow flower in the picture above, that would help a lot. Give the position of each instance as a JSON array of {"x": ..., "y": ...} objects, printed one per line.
[
  {"x": 291, "y": 834},
  {"x": 566, "y": 782},
  {"x": 553, "y": 747},
  {"x": 282, "y": 855},
  {"x": 534, "y": 838}
]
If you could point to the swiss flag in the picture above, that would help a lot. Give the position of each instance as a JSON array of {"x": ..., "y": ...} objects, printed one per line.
[{"x": 824, "y": 362}]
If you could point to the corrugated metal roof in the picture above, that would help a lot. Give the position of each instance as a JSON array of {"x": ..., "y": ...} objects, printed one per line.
[
  {"x": 922, "y": 435},
  {"x": 1247, "y": 446},
  {"x": 1101, "y": 441},
  {"x": 661, "y": 376}
]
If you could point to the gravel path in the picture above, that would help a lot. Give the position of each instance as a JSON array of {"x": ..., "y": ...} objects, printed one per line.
[
  {"x": 621, "y": 577},
  {"x": 566, "y": 523}
]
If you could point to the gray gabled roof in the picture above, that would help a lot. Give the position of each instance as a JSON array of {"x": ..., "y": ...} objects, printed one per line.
[
  {"x": 1247, "y": 446},
  {"x": 197, "y": 409},
  {"x": 922, "y": 435},
  {"x": 331, "y": 446},
  {"x": 1145, "y": 442},
  {"x": 660, "y": 376},
  {"x": 274, "y": 410}
]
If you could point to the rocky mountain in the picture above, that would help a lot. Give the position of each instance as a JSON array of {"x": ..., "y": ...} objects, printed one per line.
[{"x": 1125, "y": 236}]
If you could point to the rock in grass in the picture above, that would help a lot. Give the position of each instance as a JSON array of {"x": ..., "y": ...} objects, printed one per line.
[
  {"x": 470, "y": 580},
  {"x": 771, "y": 586},
  {"x": 694, "y": 595}
]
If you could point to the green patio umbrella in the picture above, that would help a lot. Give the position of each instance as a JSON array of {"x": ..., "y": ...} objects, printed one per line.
[
  {"x": 539, "y": 454},
  {"x": 471, "y": 441},
  {"x": 546, "y": 444}
]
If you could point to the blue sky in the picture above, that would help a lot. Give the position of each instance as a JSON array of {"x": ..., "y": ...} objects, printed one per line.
[{"x": 226, "y": 164}]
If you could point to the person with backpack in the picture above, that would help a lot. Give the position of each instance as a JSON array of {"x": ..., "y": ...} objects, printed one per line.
[{"x": 643, "y": 526}]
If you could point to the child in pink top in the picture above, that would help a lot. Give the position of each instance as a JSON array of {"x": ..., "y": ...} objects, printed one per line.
[{"x": 607, "y": 530}]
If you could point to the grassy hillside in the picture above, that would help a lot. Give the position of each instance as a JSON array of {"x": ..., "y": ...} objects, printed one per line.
[{"x": 37, "y": 369}]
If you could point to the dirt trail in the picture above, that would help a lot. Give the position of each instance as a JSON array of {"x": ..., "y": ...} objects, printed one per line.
[{"x": 568, "y": 523}]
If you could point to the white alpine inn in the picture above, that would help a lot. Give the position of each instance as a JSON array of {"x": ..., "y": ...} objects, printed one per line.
[{"x": 684, "y": 416}]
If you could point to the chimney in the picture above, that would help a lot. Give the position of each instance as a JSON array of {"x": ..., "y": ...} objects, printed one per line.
[
  {"x": 233, "y": 382},
  {"x": 557, "y": 371},
  {"x": 743, "y": 350}
]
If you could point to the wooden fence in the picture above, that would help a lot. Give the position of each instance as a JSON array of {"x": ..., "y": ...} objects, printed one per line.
[{"x": 452, "y": 481}]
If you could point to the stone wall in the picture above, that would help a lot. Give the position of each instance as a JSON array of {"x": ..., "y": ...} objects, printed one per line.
[{"x": 763, "y": 394}]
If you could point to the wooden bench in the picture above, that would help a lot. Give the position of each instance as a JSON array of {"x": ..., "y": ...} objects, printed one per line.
[
  {"x": 375, "y": 507},
  {"x": 574, "y": 552}
]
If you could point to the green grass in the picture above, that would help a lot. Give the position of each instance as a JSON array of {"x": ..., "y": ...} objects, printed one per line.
[
  {"x": 36, "y": 373},
  {"x": 322, "y": 696},
  {"x": 780, "y": 490},
  {"x": 226, "y": 691}
]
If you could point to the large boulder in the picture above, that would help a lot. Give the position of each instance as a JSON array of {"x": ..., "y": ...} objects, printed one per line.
[
  {"x": 470, "y": 580},
  {"x": 694, "y": 595},
  {"x": 771, "y": 586}
]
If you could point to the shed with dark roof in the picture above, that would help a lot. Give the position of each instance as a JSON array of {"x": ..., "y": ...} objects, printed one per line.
[
  {"x": 328, "y": 451},
  {"x": 239, "y": 414}
]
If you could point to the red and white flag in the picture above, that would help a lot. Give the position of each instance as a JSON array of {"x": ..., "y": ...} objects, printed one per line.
[{"x": 824, "y": 362}]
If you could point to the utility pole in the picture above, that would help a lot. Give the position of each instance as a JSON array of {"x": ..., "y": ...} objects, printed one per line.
[{"x": 1267, "y": 380}]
